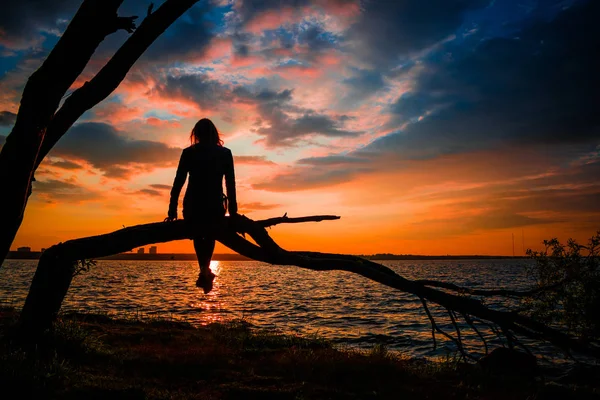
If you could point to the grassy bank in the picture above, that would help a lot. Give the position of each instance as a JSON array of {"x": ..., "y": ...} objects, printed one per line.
[{"x": 97, "y": 357}]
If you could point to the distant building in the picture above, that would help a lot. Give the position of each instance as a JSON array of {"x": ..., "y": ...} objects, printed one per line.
[
  {"x": 153, "y": 250},
  {"x": 141, "y": 250},
  {"x": 24, "y": 249}
]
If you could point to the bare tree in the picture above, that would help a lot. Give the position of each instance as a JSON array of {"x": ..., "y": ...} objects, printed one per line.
[{"x": 41, "y": 120}]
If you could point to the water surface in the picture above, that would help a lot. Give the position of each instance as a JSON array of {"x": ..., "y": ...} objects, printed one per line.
[{"x": 346, "y": 308}]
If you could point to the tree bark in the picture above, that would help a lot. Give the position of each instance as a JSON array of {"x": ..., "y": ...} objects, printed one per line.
[{"x": 55, "y": 269}]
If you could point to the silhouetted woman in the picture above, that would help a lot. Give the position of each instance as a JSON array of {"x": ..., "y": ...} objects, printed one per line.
[{"x": 204, "y": 204}]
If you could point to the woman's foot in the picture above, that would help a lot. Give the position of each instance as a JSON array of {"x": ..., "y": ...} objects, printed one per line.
[{"x": 205, "y": 280}]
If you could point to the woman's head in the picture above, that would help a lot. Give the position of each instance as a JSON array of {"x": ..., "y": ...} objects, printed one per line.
[{"x": 205, "y": 132}]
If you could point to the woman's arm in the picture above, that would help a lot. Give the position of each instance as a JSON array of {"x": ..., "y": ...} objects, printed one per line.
[
  {"x": 180, "y": 177},
  {"x": 230, "y": 184}
]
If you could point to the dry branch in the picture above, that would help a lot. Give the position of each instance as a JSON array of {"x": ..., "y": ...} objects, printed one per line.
[
  {"x": 113, "y": 73},
  {"x": 54, "y": 274}
]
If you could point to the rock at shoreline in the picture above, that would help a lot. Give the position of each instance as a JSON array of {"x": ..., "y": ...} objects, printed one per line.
[{"x": 504, "y": 361}]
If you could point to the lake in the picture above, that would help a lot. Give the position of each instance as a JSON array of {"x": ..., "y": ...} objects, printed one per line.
[{"x": 345, "y": 308}]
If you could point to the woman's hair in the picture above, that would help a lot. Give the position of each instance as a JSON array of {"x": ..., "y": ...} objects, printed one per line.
[{"x": 205, "y": 132}]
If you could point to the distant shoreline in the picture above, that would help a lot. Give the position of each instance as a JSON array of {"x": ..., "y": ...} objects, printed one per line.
[{"x": 35, "y": 255}]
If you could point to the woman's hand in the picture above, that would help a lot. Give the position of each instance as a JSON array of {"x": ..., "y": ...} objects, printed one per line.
[{"x": 172, "y": 216}]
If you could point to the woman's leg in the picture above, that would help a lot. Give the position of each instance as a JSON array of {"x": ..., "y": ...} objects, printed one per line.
[{"x": 204, "y": 248}]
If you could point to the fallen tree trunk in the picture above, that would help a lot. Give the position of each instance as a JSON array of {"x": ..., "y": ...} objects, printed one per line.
[{"x": 56, "y": 268}]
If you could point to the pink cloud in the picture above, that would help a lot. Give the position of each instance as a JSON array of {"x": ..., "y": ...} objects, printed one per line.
[
  {"x": 163, "y": 123},
  {"x": 273, "y": 19}
]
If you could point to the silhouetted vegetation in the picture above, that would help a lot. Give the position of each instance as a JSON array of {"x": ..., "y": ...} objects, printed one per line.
[
  {"x": 571, "y": 274},
  {"x": 94, "y": 356}
]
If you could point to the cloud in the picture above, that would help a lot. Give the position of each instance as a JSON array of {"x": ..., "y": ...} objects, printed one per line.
[
  {"x": 7, "y": 118},
  {"x": 160, "y": 186},
  {"x": 252, "y": 160},
  {"x": 256, "y": 206},
  {"x": 362, "y": 84},
  {"x": 308, "y": 179},
  {"x": 108, "y": 150},
  {"x": 151, "y": 192},
  {"x": 333, "y": 160},
  {"x": 284, "y": 124},
  {"x": 58, "y": 191},
  {"x": 186, "y": 39},
  {"x": 199, "y": 88},
  {"x": 388, "y": 30},
  {"x": 281, "y": 122},
  {"x": 533, "y": 90},
  {"x": 21, "y": 22},
  {"x": 65, "y": 164}
]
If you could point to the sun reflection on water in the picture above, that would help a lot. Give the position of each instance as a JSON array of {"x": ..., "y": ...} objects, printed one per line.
[{"x": 215, "y": 266}]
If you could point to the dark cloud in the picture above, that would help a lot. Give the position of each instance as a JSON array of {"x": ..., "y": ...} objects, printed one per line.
[
  {"x": 316, "y": 39},
  {"x": 362, "y": 84},
  {"x": 388, "y": 30},
  {"x": 22, "y": 21},
  {"x": 333, "y": 160},
  {"x": 186, "y": 38},
  {"x": 53, "y": 190},
  {"x": 495, "y": 220},
  {"x": 286, "y": 130},
  {"x": 151, "y": 192},
  {"x": 7, "y": 118},
  {"x": 160, "y": 186},
  {"x": 107, "y": 150},
  {"x": 65, "y": 164},
  {"x": 537, "y": 90},
  {"x": 199, "y": 88},
  {"x": 263, "y": 96}
]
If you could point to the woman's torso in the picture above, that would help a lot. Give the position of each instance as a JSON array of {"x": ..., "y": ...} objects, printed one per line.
[{"x": 206, "y": 166}]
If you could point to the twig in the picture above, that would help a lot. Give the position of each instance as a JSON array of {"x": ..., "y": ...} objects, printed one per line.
[
  {"x": 470, "y": 322},
  {"x": 287, "y": 220},
  {"x": 432, "y": 322},
  {"x": 490, "y": 292}
]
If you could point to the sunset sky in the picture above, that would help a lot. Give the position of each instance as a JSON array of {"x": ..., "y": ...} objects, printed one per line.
[{"x": 430, "y": 127}]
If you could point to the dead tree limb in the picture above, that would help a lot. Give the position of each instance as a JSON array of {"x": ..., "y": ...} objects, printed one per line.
[
  {"x": 113, "y": 73},
  {"x": 55, "y": 269},
  {"x": 287, "y": 220}
]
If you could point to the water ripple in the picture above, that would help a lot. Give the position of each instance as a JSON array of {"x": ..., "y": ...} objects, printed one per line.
[{"x": 337, "y": 305}]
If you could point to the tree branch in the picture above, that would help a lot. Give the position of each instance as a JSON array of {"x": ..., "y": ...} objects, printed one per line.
[
  {"x": 52, "y": 278},
  {"x": 113, "y": 73},
  {"x": 287, "y": 220}
]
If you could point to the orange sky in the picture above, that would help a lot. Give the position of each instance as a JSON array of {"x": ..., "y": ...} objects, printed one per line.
[{"x": 449, "y": 141}]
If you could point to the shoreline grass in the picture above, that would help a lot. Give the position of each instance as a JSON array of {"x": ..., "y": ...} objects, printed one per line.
[{"x": 95, "y": 356}]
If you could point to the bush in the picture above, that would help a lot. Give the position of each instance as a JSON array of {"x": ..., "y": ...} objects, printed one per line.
[{"x": 571, "y": 275}]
